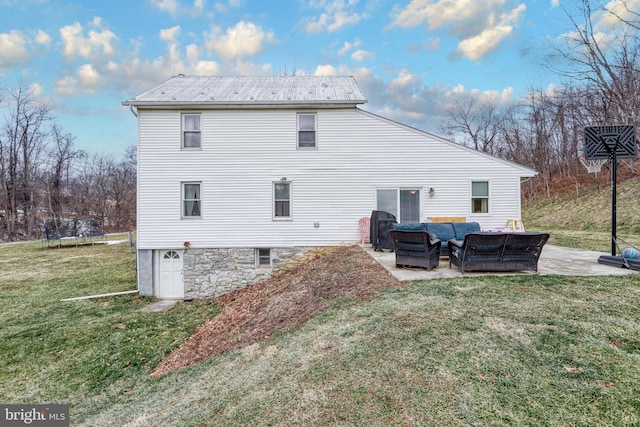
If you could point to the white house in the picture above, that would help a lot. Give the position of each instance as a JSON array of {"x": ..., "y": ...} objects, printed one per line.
[{"x": 237, "y": 174}]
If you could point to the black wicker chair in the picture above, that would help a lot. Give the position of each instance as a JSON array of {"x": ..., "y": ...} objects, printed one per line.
[
  {"x": 415, "y": 248},
  {"x": 493, "y": 251}
]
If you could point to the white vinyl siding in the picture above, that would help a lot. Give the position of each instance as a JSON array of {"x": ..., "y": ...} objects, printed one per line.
[{"x": 334, "y": 187}]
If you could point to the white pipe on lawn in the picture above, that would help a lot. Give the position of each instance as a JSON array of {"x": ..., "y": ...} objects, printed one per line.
[{"x": 100, "y": 296}]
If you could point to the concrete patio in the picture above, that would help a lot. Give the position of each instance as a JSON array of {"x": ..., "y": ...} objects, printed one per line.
[{"x": 553, "y": 260}]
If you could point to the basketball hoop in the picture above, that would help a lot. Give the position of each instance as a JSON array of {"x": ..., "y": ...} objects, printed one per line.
[{"x": 593, "y": 166}]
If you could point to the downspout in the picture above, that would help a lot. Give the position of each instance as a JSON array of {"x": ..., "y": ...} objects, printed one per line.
[{"x": 133, "y": 111}]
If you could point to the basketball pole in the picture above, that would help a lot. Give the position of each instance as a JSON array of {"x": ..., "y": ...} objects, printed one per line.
[{"x": 614, "y": 189}]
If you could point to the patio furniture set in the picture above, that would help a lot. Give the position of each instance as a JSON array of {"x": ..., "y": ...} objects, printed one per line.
[{"x": 468, "y": 248}]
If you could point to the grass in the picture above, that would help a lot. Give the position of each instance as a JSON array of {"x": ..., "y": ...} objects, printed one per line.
[
  {"x": 584, "y": 221},
  {"x": 492, "y": 350},
  {"x": 529, "y": 350},
  {"x": 55, "y": 351}
]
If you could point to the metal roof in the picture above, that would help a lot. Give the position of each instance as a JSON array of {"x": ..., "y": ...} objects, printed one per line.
[{"x": 252, "y": 91}]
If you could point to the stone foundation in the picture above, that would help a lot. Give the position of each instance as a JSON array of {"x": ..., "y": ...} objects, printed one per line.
[{"x": 215, "y": 272}]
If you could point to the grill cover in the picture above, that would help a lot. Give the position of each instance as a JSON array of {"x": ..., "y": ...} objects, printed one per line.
[{"x": 381, "y": 223}]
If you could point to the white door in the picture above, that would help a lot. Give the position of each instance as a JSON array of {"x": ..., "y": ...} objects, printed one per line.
[{"x": 171, "y": 285}]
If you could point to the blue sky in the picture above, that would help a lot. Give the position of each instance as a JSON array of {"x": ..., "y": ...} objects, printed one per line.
[{"x": 410, "y": 57}]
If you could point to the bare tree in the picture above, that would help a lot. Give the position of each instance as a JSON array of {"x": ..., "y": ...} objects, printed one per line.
[
  {"x": 605, "y": 62},
  {"x": 106, "y": 189},
  {"x": 60, "y": 158},
  {"x": 20, "y": 150},
  {"x": 475, "y": 121}
]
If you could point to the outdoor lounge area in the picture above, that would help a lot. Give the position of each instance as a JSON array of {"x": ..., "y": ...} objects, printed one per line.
[
  {"x": 554, "y": 260},
  {"x": 468, "y": 248}
]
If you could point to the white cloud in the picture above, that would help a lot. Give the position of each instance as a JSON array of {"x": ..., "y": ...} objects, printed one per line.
[
  {"x": 86, "y": 80},
  {"x": 207, "y": 68},
  {"x": 77, "y": 45},
  {"x": 67, "y": 86},
  {"x": 551, "y": 90},
  {"x": 96, "y": 22},
  {"x": 442, "y": 13},
  {"x": 404, "y": 80},
  {"x": 573, "y": 39},
  {"x": 458, "y": 89},
  {"x": 224, "y": 7},
  {"x": 337, "y": 14},
  {"x": 13, "y": 50},
  {"x": 617, "y": 10},
  {"x": 43, "y": 38},
  {"x": 325, "y": 70},
  {"x": 193, "y": 53},
  {"x": 346, "y": 47},
  {"x": 35, "y": 89},
  {"x": 170, "y": 6},
  {"x": 170, "y": 34},
  {"x": 361, "y": 55},
  {"x": 480, "y": 25},
  {"x": 88, "y": 76},
  {"x": 245, "y": 38},
  {"x": 251, "y": 69},
  {"x": 475, "y": 48},
  {"x": 494, "y": 96}
]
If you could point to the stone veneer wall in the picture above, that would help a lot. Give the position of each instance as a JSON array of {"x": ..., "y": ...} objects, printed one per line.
[{"x": 218, "y": 271}]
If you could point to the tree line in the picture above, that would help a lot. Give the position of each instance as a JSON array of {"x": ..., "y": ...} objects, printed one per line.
[
  {"x": 544, "y": 130},
  {"x": 44, "y": 176}
]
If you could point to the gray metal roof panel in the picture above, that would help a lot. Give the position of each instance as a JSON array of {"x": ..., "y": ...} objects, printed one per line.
[{"x": 258, "y": 90}]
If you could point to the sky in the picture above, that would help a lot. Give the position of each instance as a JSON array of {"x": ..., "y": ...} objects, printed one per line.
[{"x": 411, "y": 58}]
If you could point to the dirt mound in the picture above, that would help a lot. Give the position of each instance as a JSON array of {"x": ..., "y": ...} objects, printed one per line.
[{"x": 288, "y": 299}]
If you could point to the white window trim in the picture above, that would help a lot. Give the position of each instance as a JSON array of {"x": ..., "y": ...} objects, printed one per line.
[
  {"x": 315, "y": 128},
  {"x": 183, "y": 130},
  {"x": 258, "y": 265},
  {"x": 273, "y": 201},
  {"x": 489, "y": 198},
  {"x": 182, "y": 200}
]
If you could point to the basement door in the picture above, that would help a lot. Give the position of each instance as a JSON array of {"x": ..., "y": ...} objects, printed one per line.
[{"x": 171, "y": 284}]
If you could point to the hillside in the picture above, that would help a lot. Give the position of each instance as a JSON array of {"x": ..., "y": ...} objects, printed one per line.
[{"x": 587, "y": 215}]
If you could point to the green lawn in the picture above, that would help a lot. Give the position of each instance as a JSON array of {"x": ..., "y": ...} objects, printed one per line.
[{"x": 494, "y": 350}]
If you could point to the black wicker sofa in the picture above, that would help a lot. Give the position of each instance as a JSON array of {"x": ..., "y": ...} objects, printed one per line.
[
  {"x": 415, "y": 248},
  {"x": 495, "y": 251}
]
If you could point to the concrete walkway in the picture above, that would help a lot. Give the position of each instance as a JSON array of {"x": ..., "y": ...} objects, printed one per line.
[
  {"x": 159, "y": 306},
  {"x": 554, "y": 260}
]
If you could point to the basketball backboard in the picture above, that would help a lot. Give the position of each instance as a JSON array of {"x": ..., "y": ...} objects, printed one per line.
[{"x": 600, "y": 142}]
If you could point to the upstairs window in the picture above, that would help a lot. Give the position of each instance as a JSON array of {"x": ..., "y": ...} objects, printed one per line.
[
  {"x": 306, "y": 130},
  {"x": 282, "y": 200},
  {"x": 191, "y": 200},
  {"x": 480, "y": 197},
  {"x": 191, "y": 133}
]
